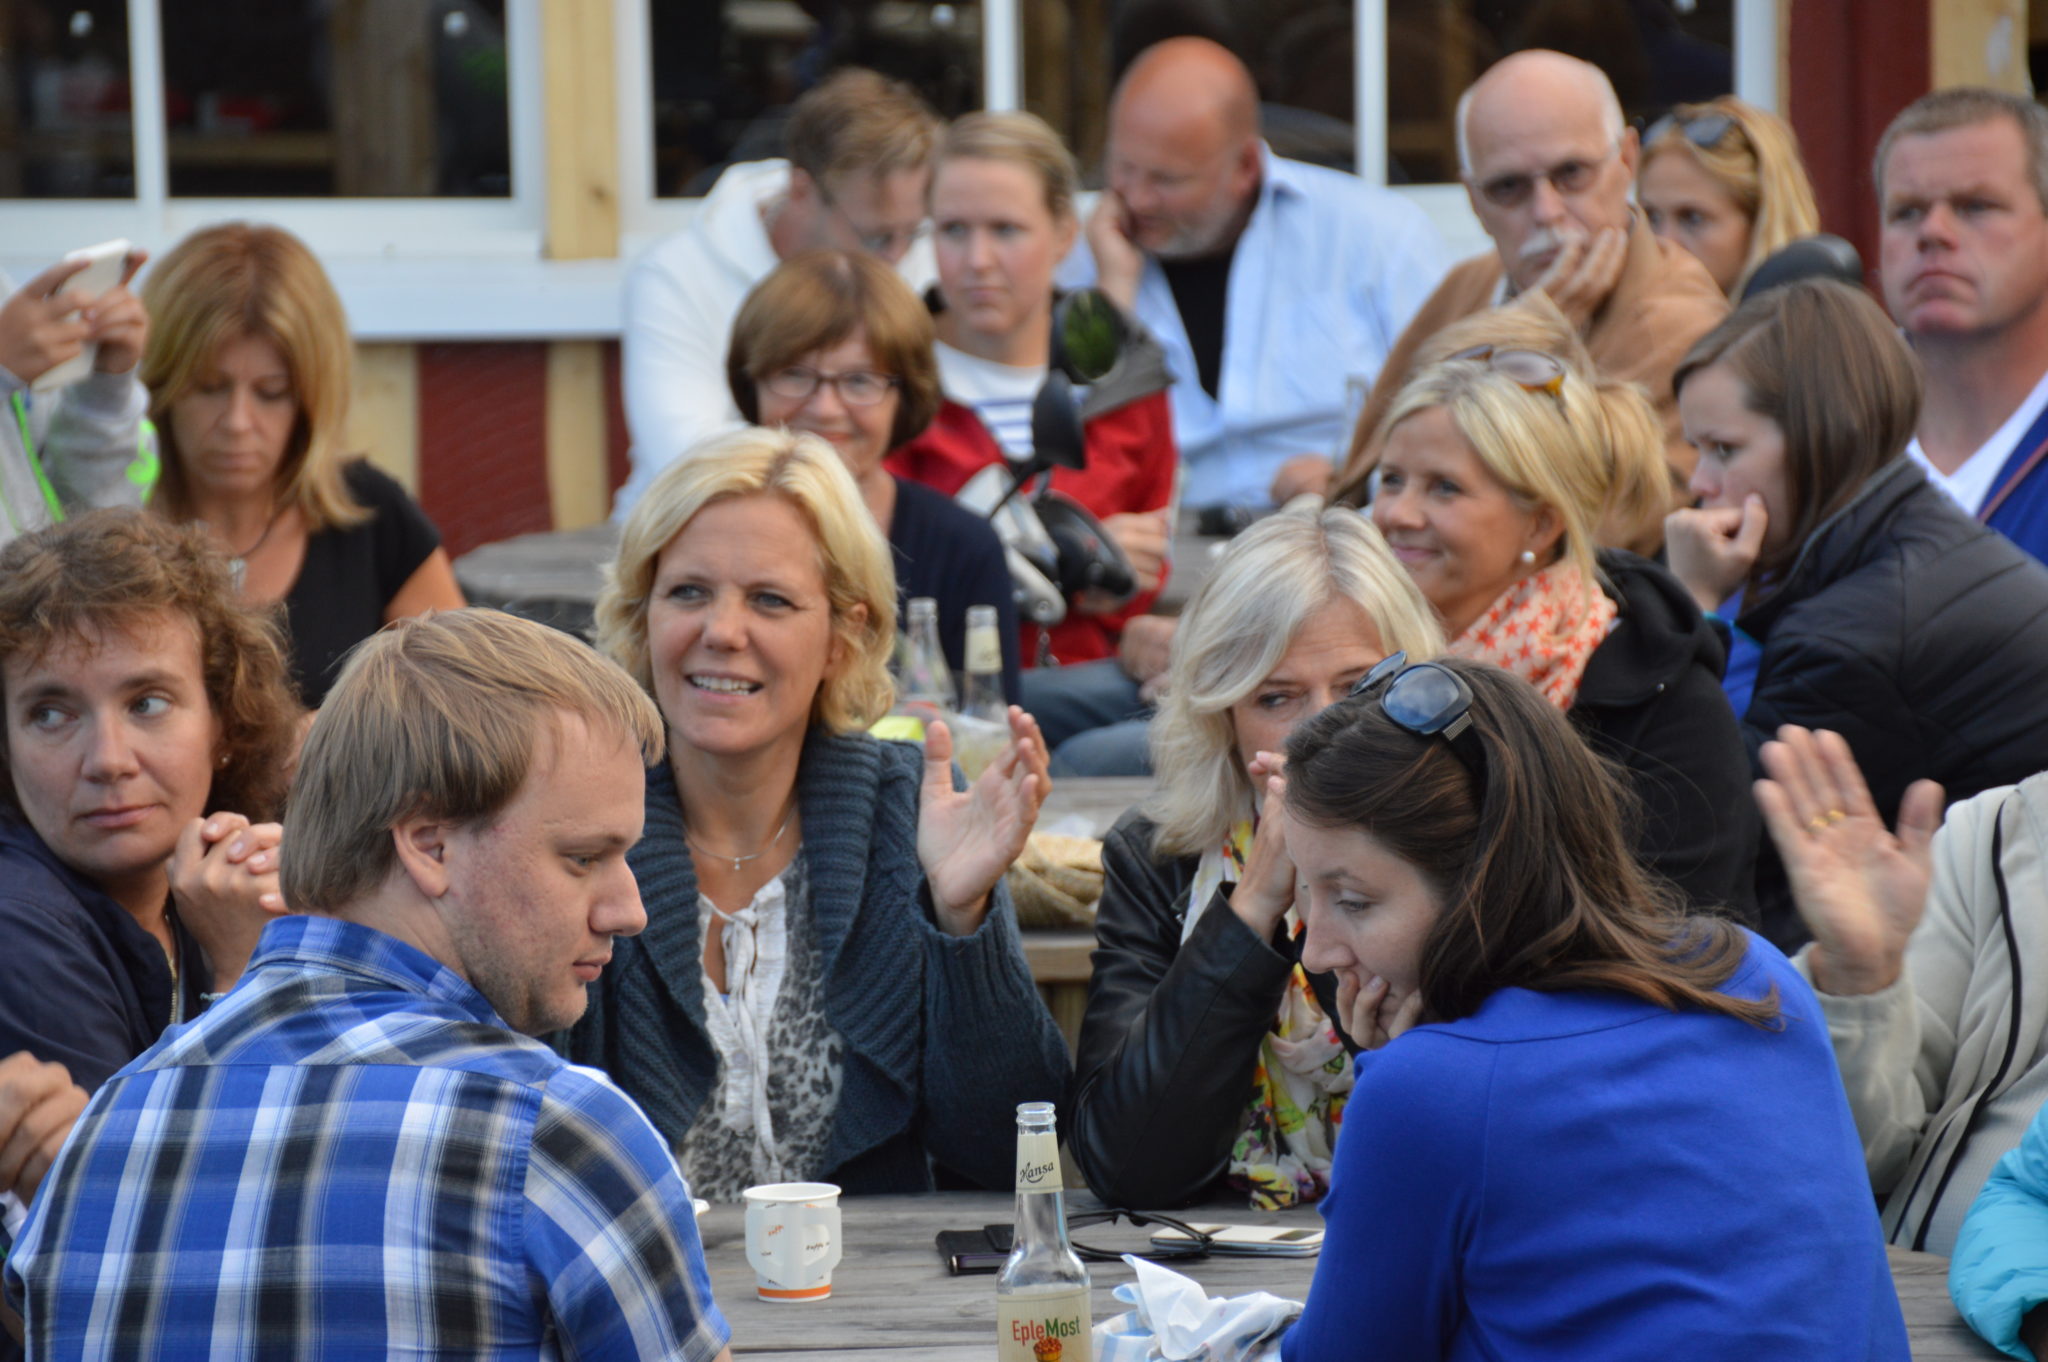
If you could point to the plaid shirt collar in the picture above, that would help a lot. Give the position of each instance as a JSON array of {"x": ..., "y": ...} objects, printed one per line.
[{"x": 338, "y": 946}]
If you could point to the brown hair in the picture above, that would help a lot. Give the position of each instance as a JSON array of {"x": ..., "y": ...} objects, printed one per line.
[
  {"x": 239, "y": 280},
  {"x": 1822, "y": 361},
  {"x": 814, "y": 301},
  {"x": 439, "y": 715},
  {"x": 1539, "y": 887},
  {"x": 1756, "y": 162},
  {"x": 1964, "y": 106},
  {"x": 115, "y": 570},
  {"x": 856, "y": 122}
]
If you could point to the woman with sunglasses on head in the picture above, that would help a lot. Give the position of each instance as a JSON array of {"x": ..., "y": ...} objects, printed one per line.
[
  {"x": 1002, "y": 200},
  {"x": 1614, "y": 1126},
  {"x": 1859, "y": 598},
  {"x": 1205, "y": 1050},
  {"x": 835, "y": 344},
  {"x": 1724, "y": 181},
  {"x": 1498, "y": 468}
]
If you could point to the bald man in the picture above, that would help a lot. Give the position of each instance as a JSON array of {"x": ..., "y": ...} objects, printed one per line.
[
  {"x": 1270, "y": 283},
  {"x": 1547, "y": 162}
]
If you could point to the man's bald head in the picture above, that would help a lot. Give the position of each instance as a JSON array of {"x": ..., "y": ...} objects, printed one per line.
[
  {"x": 1184, "y": 147},
  {"x": 1546, "y": 157}
]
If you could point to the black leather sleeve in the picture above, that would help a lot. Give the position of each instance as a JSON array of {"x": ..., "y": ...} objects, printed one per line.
[{"x": 1171, "y": 1034}]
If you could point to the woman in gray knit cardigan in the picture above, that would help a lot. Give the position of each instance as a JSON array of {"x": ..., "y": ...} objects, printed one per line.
[{"x": 831, "y": 985}]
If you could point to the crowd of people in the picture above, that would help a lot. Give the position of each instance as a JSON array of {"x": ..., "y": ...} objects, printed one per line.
[{"x": 1550, "y": 871}]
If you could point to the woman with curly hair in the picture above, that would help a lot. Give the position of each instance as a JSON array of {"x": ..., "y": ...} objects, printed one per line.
[{"x": 149, "y": 728}]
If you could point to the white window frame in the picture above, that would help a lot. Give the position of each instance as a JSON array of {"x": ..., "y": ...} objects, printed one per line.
[{"x": 407, "y": 268}]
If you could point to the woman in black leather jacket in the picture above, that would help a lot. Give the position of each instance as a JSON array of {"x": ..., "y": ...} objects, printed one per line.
[
  {"x": 1197, "y": 1000},
  {"x": 1862, "y": 599}
]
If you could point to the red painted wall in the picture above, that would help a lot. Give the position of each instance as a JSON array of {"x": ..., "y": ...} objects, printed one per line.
[
  {"x": 483, "y": 441},
  {"x": 1854, "y": 64}
]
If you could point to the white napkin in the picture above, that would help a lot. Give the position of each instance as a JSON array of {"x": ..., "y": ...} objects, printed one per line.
[{"x": 1174, "y": 1320}]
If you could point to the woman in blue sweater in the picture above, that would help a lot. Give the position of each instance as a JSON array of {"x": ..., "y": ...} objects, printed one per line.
[{"x": 1616, "y": 1129}]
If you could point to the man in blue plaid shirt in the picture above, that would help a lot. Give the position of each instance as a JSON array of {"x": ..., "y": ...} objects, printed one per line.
[{"x": 360, "y": 1151}]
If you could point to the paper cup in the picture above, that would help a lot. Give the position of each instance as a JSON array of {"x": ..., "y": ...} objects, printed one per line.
[{"x": 793, "y": 1239}]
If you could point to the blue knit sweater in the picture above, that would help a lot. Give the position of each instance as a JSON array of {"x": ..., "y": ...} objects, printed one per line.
[{"x": 944, "y": 1035}]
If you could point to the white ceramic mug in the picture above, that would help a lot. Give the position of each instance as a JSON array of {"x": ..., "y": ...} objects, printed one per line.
[{"x": 793, "y": 1239}]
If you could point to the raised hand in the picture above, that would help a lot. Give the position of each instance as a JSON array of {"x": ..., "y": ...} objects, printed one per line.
[
  {"x": 1265, "y": 891},
  {"x": 117, "y": 321},
  {"x": 40, "y": 325},
  {"x": 1712, "y": 550},
  {"x": 1118, "y": 262},
  {"x": 966, "y": 839},
  {"x": 1373, "y": 1014},
  {"x": 38, "y": 1105},
  {"x": 224, "y": 883},
  {"x": 1860, "y": 888},
  {"x": 1585, "y": 272}
]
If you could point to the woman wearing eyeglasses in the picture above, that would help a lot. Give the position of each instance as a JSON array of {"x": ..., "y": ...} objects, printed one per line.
[
  {"x": 1615, "y": 1125},
  {"x": 1724, "y": 180},
  {"x": 1498, "y": 468},
  {"x": 1859, "y": 597},
  {"x": 834, "y": 344},
  {"x": 1002, "y": 197},
  {"x": 1206, "y": 1052}
]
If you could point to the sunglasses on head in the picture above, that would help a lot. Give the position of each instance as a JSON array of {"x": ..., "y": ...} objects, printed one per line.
[
  {"x": 1534, "y": 370},
  {"x": 1430, "y": 701},
  {"x": 1704, "y": 130}
]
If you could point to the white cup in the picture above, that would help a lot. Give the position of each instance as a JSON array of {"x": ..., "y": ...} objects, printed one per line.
[{"x": 793, "y": 1239}]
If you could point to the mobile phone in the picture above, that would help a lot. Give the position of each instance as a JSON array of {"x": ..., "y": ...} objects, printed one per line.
[
  {"x": 1283, "y": 1241},
  {"x": 105, "y": 264},
  {"x": 982, "y": 1250}
]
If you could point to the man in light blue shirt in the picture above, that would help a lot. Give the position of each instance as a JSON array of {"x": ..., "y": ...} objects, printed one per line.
[{"x": 1272, "y": 284}]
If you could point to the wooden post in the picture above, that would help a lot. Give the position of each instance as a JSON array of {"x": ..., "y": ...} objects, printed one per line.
[
  {"x": 384, "y": 412},
  {"x": 582, "y": 117},
  {"x": 578, "y": 495},
  {"x": 1980, "y": 42}
]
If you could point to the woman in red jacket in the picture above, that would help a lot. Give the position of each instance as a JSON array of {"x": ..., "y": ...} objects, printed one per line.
[{"x": 1002, "y": 202}]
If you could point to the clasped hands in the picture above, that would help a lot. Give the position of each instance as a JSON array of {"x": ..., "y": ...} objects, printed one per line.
[
  {"x": 224, "y": 883},
  {"x": 967, "y": 838}
]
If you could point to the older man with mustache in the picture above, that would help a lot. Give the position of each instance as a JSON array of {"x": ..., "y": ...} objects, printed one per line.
[{"x": 1548, "y": 160}]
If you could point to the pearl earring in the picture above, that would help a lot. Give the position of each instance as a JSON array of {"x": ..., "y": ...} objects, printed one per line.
[{"x": 1528, "y": 557}]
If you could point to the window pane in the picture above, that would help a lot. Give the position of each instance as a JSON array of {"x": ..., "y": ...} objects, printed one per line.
[
  {"x": 1656, "y": 55},
  {"x": 65, "y": 130},
  {"x": 350, "y": 98},
  {"x": 724, "y": 72}
]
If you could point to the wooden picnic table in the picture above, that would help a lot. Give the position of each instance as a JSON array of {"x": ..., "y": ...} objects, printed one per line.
[{"x": 892, "y": 1297}]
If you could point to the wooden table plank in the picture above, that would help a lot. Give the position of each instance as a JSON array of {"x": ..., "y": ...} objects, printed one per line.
[{"x": 891, "y": 1293}]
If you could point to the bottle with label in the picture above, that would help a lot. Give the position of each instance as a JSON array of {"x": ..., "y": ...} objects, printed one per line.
[
  {"x": 1042, "y": 1312},
  {"x": 924, "y": 684},
  {"x": 981, "y": 693}
]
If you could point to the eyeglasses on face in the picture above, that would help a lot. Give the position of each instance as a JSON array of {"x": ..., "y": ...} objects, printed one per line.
[
  {"x": 1534, "y": 370},
  {"x": 1429, "y": 700},
  {"x": 1704, "y": 130},
  {"x": 1566, "y": 177},
  {"x": 856, "y": 387},
  {"x": 889, "y": 243}
]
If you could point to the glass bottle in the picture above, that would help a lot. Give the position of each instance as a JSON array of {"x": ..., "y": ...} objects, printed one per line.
[
  {"x": 926, "y": 680},
  {"x": 1042, "y": 1312},
  {"x": 981, "y": 692}
]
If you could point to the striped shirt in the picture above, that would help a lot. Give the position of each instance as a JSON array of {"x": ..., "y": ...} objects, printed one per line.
[
  {"x": 353, "y": 1156},
  {"x": 1000, "y": 394}
]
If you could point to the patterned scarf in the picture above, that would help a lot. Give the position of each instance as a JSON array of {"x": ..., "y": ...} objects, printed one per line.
[
  {"x": 1303, "y": 1077},
  {"x": 1544, "y": 629}
]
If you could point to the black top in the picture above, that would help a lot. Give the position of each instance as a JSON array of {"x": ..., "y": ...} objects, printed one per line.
[
  {"x": 350, "y": 576},
  {"x": 945, "y": 551},
  {"x": 1651, "y": 701},
  {"x": 81, "y": 982},
  {"x": 1200, "y": 289},
  {"x": 1917, "y": 634}
]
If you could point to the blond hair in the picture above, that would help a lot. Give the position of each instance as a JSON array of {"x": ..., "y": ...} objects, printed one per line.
[
  {"x": 1019, "y": 139},
  {"x": 438, "y": 716},
  {"x": 1757, "y": 164},
  {"x": 1593, "y": 451},
  {"x": 809, "y": 475},
  {"x": 1236, "y": 628},
  {"x": 240, "y": 280},
  {"x": 858, "y": 123}
]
